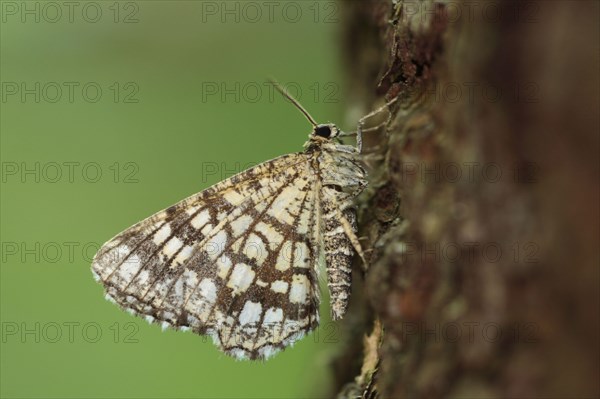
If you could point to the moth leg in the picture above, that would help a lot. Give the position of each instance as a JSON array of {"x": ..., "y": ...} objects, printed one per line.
[
  {"x": 361, "y": 123},
  {"x": 347, "y": 149},
  {"x": 349, "y": 230}
]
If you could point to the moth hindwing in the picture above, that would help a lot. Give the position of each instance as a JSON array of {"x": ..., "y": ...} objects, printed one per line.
[{"x": 239, "y": 260}]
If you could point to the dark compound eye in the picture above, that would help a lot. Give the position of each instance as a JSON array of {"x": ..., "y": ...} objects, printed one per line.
[{"x": 323, "y": 131}]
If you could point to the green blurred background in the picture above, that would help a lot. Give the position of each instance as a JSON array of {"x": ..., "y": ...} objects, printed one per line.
[{"x": 79, "y": 167}]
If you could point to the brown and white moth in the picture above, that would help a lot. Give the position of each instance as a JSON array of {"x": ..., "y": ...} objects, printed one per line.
[{"x": 239, "y": 261}]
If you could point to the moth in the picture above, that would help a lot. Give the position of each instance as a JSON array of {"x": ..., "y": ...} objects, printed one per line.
[{"x": 240, "y": 260}]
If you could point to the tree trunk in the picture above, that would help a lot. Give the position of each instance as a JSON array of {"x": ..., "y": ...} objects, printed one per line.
[{"x": 481, "y": 220}]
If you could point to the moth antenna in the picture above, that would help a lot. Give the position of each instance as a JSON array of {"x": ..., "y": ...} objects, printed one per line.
[{"x": 287, "y": 95}]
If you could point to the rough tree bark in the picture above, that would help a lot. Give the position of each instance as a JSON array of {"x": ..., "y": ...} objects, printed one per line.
[{"x": 481, "y": 219}]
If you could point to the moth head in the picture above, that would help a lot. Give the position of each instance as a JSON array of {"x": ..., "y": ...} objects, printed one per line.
[{"x": 326, "y": 130}]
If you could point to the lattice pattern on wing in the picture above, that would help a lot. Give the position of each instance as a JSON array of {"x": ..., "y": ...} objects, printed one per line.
[{"x": 236, "y": 261}]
